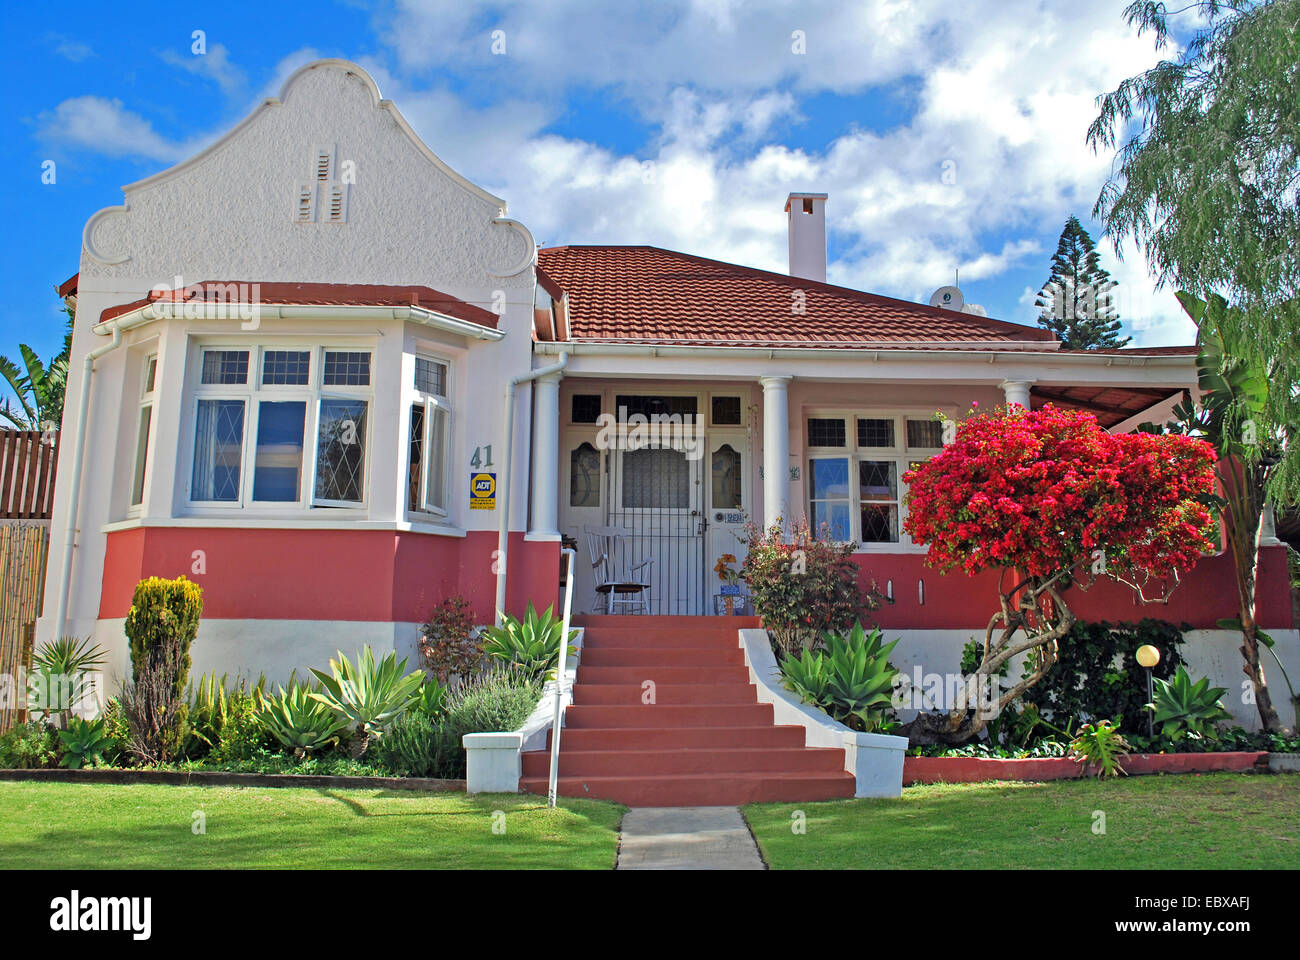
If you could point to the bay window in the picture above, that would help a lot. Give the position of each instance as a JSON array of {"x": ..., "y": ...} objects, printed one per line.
[
  {"x": 855, "y": 468},
  {"x": 277, "y": 426}
]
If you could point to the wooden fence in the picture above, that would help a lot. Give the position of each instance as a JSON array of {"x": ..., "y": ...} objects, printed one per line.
[
  {"x": 23, "y": 551},
  {"x": 27, "y": 463}
]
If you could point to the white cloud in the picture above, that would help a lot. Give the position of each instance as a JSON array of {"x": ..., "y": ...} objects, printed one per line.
[
  {"x": 1152, "y": 316},
  {"x": 105, "y": 126},
  {"x": 989, "y": 162},
  {"x": 70, "y": 49},
  {"x": 214, "y": 65}
]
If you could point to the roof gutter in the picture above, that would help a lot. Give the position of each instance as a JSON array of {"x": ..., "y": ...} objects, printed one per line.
[
  {"x": 245, "y": 312},
  {"x": 883, "y": 351}
]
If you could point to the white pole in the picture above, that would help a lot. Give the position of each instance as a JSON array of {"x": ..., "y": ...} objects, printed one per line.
[{"x": 553, "y": 784}]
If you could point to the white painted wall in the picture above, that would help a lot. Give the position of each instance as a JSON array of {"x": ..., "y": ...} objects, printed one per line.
[
  {"x": 227, "y": 215},
  {"x": 1208, "y": 653}
]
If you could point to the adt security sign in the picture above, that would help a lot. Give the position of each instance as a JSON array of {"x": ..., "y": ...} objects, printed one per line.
[{"x": 482, "y": 491}]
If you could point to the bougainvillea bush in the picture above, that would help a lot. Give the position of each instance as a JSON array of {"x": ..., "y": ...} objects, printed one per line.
[{"x": 1051, "y": 499}]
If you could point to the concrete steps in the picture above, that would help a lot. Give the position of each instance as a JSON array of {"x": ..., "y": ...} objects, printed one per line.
[{"x": 704, "y": 741}]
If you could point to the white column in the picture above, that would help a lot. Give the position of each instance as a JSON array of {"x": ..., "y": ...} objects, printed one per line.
[
  {"x": 776, "y": 449},
  {"x": 546, "y": 456},
  {"x": 1017, "y": 391}
]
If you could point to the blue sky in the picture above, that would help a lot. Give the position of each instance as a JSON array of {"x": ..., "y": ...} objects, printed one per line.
[{"x": 947, "y": 135}]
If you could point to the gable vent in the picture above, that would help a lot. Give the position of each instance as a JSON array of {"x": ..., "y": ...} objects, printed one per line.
[
  {"x": 305, "y": 203},
  {"x": 324, "y": 163},
  {"x": 336, "y": 205}
]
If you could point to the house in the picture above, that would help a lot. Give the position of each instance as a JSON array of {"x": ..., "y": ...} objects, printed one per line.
[{"x": 329, "y": 379}]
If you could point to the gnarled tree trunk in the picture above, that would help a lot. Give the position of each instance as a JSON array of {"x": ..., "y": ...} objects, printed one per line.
[{"x": 1033, "y": 608}]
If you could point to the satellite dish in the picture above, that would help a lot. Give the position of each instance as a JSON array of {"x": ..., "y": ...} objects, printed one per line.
[{"x": 949, "y": 298}]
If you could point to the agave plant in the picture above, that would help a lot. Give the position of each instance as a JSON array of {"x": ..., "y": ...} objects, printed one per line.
[
  {"x": 431, "y": 699},
  {"x": 1187, "y": 710},
  {"x": 84, "y": 741},
  {"x": 853, "y": 680},
  {"x": 1100, "y": 747},
  {"x": 60, "y": 680},
  {"x": 300, "y": 722},
  {"x": 529, "y": 647},
  {"x": 368, "y": 696}
]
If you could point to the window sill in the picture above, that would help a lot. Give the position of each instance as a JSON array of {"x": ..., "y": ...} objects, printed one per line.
[
  {"x": 893, "y": 548},
  {"x": 273, "y": 523}
]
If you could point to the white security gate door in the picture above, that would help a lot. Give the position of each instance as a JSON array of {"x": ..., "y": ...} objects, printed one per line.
[{"x": 656, "y": 494}]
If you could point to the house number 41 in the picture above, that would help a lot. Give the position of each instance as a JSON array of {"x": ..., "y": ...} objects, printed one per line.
[{"x": 482, "y": 457}]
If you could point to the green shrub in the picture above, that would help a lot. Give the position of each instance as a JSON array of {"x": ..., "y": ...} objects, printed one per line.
[
  {"x": 498, "y": 700},
  {"x": 853, "y": 681},
  {"x": 801, "y": 584},
  {"x": 299, "y": 721},
  {"x": 1096, "y": 675},
  {"x": 1187, "y": 710},
  {"x": 243, "y": 734},
  {"x": 448, "y": 646},
  {"x": 529, "y": 647},
  {"x": 118, "y": 730},
  {"x": 368, "y": 696},
  {"x": 213, "y": 708},
  {"x": 84, "y": 742},
  {"x": 1100, "y": 747},
  {"x": 30, "y": 746},
  {"x": 414, "y": 746},
  {"x": 161, "y": 626}
]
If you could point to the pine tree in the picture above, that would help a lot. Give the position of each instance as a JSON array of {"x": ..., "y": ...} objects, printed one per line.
[{"x": 1076, "y": 302}]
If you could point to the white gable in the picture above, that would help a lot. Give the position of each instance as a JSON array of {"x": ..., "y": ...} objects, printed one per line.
[{"x": 325, "y": 183}]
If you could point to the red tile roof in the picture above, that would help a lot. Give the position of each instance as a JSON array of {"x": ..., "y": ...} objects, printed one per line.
[
  {"x": 69, "y": 286},
  {"x": 320, "y": 294},
  {"x": 650, "y": 295}
]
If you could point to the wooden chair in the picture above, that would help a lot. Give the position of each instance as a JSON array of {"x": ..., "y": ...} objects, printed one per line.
[{"x": 619, "y": 581}]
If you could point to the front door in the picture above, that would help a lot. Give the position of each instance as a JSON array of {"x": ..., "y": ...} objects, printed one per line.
[{"x": 656, "y": 493}]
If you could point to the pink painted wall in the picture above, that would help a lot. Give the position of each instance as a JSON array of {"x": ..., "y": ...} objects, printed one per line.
[
  {"x": 368, "y": 575},
  {"x": 955, "y": 602}
]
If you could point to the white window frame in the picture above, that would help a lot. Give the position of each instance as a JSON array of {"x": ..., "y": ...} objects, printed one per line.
[
  {"x": 899, "y": 453},
  {"x": 432, "y": 402},
  {"x": 341, "y": 392},
  {"x": 141, "y": 471},
  {"x": 252, "y": 393}
]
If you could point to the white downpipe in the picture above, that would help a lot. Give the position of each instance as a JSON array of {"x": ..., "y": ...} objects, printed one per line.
[
  {"x": 78, "y": 455},
  {"x": 503, "y": 483},
  {"x": 553, "y": 785}
]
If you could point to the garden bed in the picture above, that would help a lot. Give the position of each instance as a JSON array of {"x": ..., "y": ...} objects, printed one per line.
[
  {"x": 980, "y": 769},
  {"x": 218, "y": 778}
]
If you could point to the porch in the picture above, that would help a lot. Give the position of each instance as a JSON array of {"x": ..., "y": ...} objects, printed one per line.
[{"x": 684, "y": 461}]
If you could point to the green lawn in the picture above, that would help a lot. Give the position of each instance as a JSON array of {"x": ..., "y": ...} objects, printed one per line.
[
  {"x": 83, "y": 826},
  {"x": 1223, "y": 821}
]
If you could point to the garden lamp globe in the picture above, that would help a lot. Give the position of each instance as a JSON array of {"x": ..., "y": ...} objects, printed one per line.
[{"x": 1147, "y": 657}]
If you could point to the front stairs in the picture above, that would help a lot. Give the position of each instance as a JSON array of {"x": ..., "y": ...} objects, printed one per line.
[{"x": 703, "y": 739}]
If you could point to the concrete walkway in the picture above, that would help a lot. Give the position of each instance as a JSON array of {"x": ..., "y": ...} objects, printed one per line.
[{"x": 686, "y": 838}]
